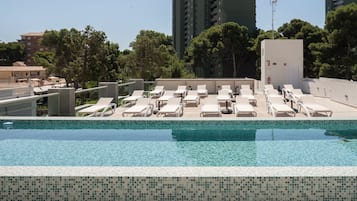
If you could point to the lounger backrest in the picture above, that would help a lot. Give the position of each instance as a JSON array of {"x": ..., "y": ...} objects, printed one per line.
[
  {"x": 272, "y": 92},
  {"x": 104, "y": 101},
  {"x": 192, "y": 93},
  {"x": 276, "y": 100},
  {"x": 143, "y": 101},
  {"x": 245, "y": 86},
  {"x": 296, "y": 92},
  {"x": 228, "y": 87},
  {"x": 268, "y": 86},
  {"x": 201, "y": 87},
  {"x": 174, "y": 101},
  {"x": 223, "y": 92},
  {"x": 138, "y": 93},
  {"x": 246, "y": 92},
  {"x": 288, "y": 86},
  {"x": 182, "y": 87}
]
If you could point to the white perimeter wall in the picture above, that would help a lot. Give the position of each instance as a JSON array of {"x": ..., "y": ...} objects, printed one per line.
[
  {"x": 342, "y": 91},
  {"x": 282, "y": 62}
]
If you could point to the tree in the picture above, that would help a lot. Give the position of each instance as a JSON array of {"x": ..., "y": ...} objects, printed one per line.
[
  {"x": 261, "y": 35},
  {"x": 65, "y": 44},
  {"x": 82, "y": 56},
  {"x": 341, "y": 25},
  {"x": 298, "y": 29},
  {"x": 218, "y": 44},
  {"x": 45, "y": 59},
  {"x": 153, "y": 56},
  {"x": 236, "y": 42},
  {"x": 11, "y": 52}
]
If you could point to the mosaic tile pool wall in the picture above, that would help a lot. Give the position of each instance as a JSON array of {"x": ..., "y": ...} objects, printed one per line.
[{"x": 178, "y": 188}]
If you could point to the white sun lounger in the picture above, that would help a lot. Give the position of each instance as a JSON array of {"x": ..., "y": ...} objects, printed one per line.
[
  {"x": 287, "y": 88},
  {"x": 248, "y": 94},
  {"x": 134, "y": 97},
  {"x": 142, "y": 107},
  {"x": 202, "y": 90},
  {"x": 102, "y": 105},
  {"x": 276, "y": 105},
  {"x": 223, "y": 96},
  {"x": 157, "y": 92},
  {"x": 181, "y": 91},
  {"x": 173, "y": 107},
  {"x": 295, "y": 95},
  {"x": 163, "y": 99},
  {"x": 192, "y": 97},
  {"x": 211, "y": 107},
  {"x": 312, "y": 108},
  {"x": 245, "y": 86},
  {"x": 228, "y": 88},
  {"x": 242, "y": 106}
]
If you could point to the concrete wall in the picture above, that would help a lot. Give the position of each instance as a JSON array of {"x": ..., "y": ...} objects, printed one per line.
[
  {"x": 212, "y": 85},
  {"x": 111, "y": 90},
  {"x": 63, "y": 104},
  {"x": 282, "y": 62},
  {"x": 342, "y": 91}
]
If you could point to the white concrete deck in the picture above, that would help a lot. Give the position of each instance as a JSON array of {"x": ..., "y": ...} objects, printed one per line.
[
  {"x": 193, "y": 111},
  {"x": 41, "y": 171}
]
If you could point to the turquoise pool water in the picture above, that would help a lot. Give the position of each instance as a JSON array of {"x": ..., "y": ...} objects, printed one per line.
[{"x": 179, "y": 143}]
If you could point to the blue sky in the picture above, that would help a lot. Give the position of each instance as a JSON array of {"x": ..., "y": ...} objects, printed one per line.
[{"x": 122, "y": 20}]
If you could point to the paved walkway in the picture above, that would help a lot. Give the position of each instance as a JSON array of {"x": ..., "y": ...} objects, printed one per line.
[{"x": 192, "y": 111}]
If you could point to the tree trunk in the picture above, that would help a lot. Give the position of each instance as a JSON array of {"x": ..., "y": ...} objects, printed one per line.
[
  {"x": 348, "y": 63},
  {"x": 234, "y": 65}
]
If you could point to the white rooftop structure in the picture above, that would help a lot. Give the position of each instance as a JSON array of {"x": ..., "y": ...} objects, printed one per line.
[{"x": 282, "y": 62}]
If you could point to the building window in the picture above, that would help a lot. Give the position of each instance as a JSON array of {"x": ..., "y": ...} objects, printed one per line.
[{"x": 34, "y": 73}]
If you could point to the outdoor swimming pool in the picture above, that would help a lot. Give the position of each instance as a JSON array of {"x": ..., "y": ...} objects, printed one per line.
[{"x": 179, "y": 143}]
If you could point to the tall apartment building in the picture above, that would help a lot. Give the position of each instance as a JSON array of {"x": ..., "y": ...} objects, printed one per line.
[
  {"x": 333, "y": 4},
  {"x": 191, "y": 17},
  {"x": 32, "y": 45}
]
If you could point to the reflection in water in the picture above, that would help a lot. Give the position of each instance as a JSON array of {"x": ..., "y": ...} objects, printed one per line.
[
  {"x": 178, "y": 134},
  {"x": 178, "y": 147},
  {"x": 217, "y": 147},
  {"x": 213, "y": 135}
]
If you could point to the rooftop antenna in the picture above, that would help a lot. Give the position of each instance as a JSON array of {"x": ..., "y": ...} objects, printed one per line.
[{"x": 273, "y": 5}]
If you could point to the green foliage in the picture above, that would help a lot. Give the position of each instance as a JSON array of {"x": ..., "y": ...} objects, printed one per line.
[
  {"x": 298, "y": 29},
  {"x": 153, "y": 56},
  {"x": 45, "y": 59},
  {"x": 84, "y": 56},
  {"x": 354, "y": 72},
  {"x": 208, "y": 51},
  {"x": 256, "y": 48},
  {"x": 80, "y": 56},
  {"x": 10, "y": 53},
  {"x": 341, "y": 25}
]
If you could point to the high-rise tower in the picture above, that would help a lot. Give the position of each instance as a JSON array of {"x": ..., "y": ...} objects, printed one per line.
[
  {"x": 191, "y": 17},
  {"x": 333, "y": 4}
]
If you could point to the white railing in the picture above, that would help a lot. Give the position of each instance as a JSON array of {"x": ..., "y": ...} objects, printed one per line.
[{"x": 15, "y": 92}]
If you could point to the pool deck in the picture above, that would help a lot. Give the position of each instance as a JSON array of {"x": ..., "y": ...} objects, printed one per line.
[
  {"x": 269, "y": 182},
  {"x": 193, "y": 112},
  {"x": 37, "y": 171}
]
